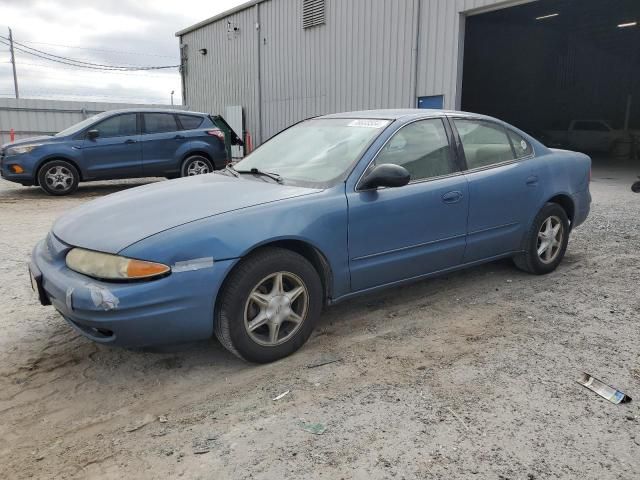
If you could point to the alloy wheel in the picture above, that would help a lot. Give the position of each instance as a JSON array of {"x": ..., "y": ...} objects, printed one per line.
[
  {"x": 276, "y": 308},
  {"x": 59, "y": 178},
  {"x": 550, "y": 238},
  {"x": 197, "y": 167}
]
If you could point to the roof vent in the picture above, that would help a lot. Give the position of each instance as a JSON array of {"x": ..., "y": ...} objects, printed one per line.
[{"x": 312, "y": 13}]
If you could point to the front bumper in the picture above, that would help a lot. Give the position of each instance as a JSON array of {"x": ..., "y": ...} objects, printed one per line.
[
  {"x": 173, "y": 309},
  {"x": 26, "y": 161}
]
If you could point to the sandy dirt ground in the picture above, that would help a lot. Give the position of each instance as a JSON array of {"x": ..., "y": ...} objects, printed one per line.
[{"x": 471, "y": 375}]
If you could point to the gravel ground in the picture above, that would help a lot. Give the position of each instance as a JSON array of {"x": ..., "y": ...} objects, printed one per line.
[{"x": 471, "y": 375}]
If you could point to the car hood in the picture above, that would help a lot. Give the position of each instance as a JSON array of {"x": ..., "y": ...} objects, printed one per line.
[
  {"x": 116, "y": 221},
  {"x": 27, "y": 141}
]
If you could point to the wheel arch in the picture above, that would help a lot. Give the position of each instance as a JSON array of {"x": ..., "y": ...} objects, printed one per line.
[
  {"x": 566, "y": 202},
  {"x": 53, "y": 159},
  {"x": 307, "y": 250}
]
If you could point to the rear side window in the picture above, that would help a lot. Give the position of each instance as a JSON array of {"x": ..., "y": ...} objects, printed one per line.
[
  {"x": 422, "y": 148},
  {"x": 118, "y": 126},
  {"x": 484, "y": 143},
  {"x": 189, "y": 122},
  {"x": 521, "y": 146},
  {"x": 159, "y": 123}
]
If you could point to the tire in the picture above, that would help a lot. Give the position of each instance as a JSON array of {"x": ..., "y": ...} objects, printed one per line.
[
  {"x": 541, "y": 232},
  {"x": 196, "y": 165},
  {"x": 58, "y": 177},
  {"x": 238, "y": 311}
]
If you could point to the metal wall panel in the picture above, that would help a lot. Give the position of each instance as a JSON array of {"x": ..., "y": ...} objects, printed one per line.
[
  {"x": 364, "y": 57},
  {"x": 227, "y": 74},
  {"x": 33, "y": 117}
]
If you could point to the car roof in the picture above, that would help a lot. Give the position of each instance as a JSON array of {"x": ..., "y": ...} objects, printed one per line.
[
  {"x": 401, "y": 113},
  {"x": 153, "y": 110}
]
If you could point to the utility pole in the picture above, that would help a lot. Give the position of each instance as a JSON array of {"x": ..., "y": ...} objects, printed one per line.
[{"x": 13, "y": 63}]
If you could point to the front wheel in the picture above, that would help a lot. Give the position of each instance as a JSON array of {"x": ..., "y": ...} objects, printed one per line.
[
  {"x": 196, "y": 165},
  {"x": 58, "y": 178},
  {"x": 546, "y": 241},
  {"x": 269, "y": 305}
]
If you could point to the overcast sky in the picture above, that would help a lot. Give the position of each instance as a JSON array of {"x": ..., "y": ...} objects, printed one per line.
[{"x": 114, "y": 32}]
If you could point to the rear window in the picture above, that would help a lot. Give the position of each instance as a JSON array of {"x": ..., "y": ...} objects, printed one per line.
[
  {"x": 190, "y": 122},
  {"x": 159, "y": 123},
  {"x": 484, "y": 143}
]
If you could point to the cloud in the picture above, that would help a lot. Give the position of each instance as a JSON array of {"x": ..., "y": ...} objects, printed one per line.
[{"x": 123, "y": 32}]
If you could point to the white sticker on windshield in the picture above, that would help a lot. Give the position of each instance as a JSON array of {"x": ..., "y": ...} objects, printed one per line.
[{"x": 368, "y": 123}]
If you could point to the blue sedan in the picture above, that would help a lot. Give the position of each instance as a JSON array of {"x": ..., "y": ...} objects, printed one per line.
[{"x": 333, "y": 207}]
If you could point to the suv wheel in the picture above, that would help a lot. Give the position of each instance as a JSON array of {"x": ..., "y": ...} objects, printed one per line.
[
  {"x": 196, "y": 165},
  {"x": 269, "y": 305},
  {"x": 58, "y": 178}
]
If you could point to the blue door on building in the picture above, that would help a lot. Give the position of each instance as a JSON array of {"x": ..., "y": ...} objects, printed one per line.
[{"x": 432, "y": 101}]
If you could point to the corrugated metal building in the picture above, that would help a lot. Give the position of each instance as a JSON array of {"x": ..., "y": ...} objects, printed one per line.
[
  {"x": 32, "y": 117},
  {"x": 286, "y": 60}
]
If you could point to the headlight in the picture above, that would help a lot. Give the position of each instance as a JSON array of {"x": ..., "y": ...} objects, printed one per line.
[
  {"x": 112, "y": 267},
  {"x": 20, "y": 149}
]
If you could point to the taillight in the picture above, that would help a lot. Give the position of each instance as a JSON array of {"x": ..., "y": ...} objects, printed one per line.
[{"x": 216, "y": 133}]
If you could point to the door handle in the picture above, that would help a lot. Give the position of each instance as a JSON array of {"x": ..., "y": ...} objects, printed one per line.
[
  {"x": 179, "y": 137},
  {"x": 532, "y": 181},
  {"x": 452, "y": 197},
  {"x": 130, "y": 141}
]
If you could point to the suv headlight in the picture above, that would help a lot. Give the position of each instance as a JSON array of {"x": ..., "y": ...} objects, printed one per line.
[
  {"x": 20, "y": 149},
  {"x": 113, "y": 267}
]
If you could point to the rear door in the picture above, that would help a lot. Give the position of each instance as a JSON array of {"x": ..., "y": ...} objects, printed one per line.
[
  {"x": 161, "y": 137},
  {"x": 401, "y": 233},
  {"x": 116, "y": 151},
  {"x": 504, "y": 190}
]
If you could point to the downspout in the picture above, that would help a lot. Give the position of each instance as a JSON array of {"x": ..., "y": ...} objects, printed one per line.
[
  {"x": 414, "y": 101},
  {"x": 258, "y": 76}
]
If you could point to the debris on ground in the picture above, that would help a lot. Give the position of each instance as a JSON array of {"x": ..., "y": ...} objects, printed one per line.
[
  {"x": 602, "y": 389},
  {"x": 148, "y": 418},
  {"x": 162, "y": 419},
  {"x": 315, "y": 428},
  {"x": 325, "y": 359},
  {"x": 282, "y": 395}
]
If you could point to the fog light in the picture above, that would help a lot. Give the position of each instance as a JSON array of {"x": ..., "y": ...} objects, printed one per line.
[{"x": 16, "y": 168}]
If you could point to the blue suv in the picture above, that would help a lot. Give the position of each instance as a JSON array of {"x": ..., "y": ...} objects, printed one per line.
[{"x": 121, "y": 144}]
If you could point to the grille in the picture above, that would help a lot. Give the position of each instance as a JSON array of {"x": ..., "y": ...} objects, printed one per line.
[{"x": 312, "y": 13}]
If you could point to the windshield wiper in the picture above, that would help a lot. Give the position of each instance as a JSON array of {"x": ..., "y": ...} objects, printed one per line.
[{"x": 255, "y": 171}]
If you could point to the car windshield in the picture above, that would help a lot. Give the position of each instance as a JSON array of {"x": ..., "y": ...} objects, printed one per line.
[
  {"x": 317, "y": 151},
  {"x": 79, "y": 126}
]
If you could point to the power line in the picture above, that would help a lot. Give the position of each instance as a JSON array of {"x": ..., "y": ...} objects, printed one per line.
[
  {"x": 134, "y": 73},
  {"x": 78, "y": 63},
  {"x": 100, "y": 49}
]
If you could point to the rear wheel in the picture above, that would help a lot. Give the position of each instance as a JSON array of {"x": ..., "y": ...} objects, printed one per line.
[
  {"x": 269, "y": 305},
  {"x": 546, "y": 241},
  {"x": 58, "y": 177},
  {"x": 196, "y": 165}
]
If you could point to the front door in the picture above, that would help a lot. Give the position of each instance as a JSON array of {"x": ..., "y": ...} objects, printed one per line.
[
  {"x": 402, "y": 233},
  {"x": 115, "y": 152}
]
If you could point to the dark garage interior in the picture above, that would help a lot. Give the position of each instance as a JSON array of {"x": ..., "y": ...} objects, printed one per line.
[{"x": 544, "y": 64}]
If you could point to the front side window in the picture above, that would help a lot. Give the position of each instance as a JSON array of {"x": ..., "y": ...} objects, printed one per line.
[
  {"x": 422, "y": 148},
  {"x": 118, "y": 126},
  {"x": 159, "y": 123},
  {"x": 484, "y": 143},
  {"x": 522, "y": 147},
  {"x": 315, "y": 152}
]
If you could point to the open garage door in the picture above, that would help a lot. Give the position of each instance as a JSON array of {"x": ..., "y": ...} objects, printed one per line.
[{"x": 566, "y": 71}]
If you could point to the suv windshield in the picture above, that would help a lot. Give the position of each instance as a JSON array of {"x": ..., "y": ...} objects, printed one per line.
[
  {"x": 315, "y": 152},
  {"x": 79, "y": 126}
]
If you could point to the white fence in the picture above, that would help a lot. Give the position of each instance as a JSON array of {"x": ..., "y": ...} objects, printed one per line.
[{"x": 30, "y": 118}]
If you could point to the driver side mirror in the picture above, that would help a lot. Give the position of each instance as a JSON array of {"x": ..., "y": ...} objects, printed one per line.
[
  {"x": 386, "y": 175},
  {"x": 92, "y": 134}
]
